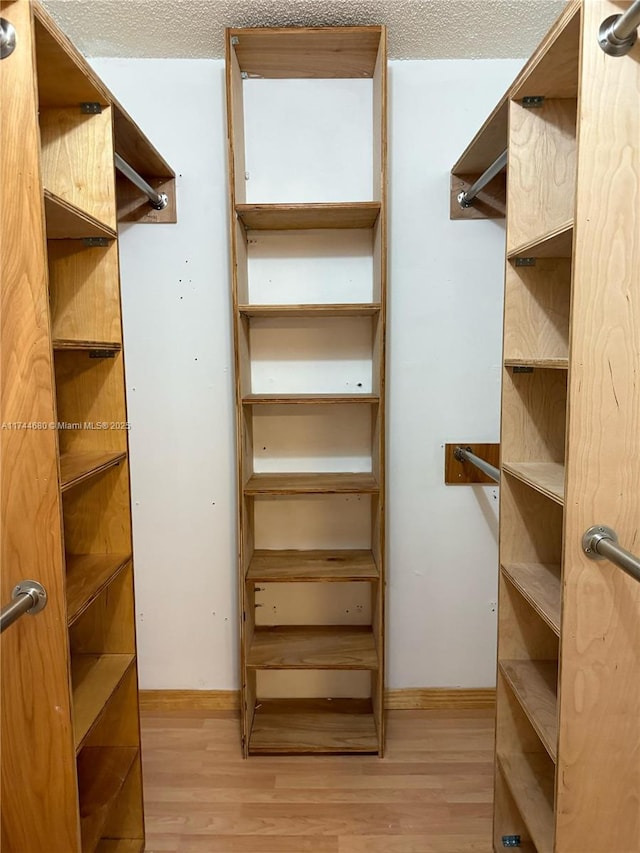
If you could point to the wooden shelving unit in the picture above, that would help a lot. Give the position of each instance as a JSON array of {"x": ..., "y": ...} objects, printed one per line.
[
  {"x": 309, "y": 445},
  {"x": 76, "y": 698},
  {"x": 568, "y": 722}
]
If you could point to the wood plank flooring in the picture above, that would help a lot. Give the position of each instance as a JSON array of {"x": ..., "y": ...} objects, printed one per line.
[{"x": 431, "y": 793}]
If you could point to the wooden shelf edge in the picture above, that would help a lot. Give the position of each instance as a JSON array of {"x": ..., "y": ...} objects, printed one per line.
[
  {"x": 113, "y": 564},
  {"x": 348, "y": 566},
  {"x": 560, "y": 363},
  {"x": 308, "y": 399},
  {"x": 65, "y": 221},
  {"x": 64, "y": 344},
  {"x": 520, "y": 472},
  {"x": 526, "y": 778},
  {"x": 121, "y": 667},
  {"x": 529, "y": 683},
  {"x": 311, "y": 484},
  {"x": 306, "y": 726},
  {"x": 553, "y": 244},
  {"x": 309, "y": 216},
  {"x": 76, "y": 468},
  {"x": 542, "y": 606}
]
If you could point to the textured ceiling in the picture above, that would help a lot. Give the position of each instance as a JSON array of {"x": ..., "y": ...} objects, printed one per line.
[{"x": 417, "y": 29}]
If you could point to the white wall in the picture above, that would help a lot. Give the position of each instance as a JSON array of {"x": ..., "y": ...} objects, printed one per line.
[{"x": 444, "y": 354}]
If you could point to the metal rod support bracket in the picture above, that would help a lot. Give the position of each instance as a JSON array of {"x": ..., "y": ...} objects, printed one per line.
[
  {"x": 158, "y": 201},
  {"x": 601, "y": 543},
  {"x": 8, "y": 38},
  {"x": 465, "y": 199},
  {"x": 466, "y": 454},
  {"x": 27, "y": 597},
  {"x": 618, "y": 33}
]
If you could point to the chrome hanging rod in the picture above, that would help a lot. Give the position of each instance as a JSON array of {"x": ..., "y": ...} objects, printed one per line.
[
  {"x": 157, "y": 200},
  {"x": 27, "y": 597},
  {"x": 618, "y": 33},
  {"x": 465, "y": 199},
  {"x": 600, "y": 542},
  {"x": 465, "y": 454}
]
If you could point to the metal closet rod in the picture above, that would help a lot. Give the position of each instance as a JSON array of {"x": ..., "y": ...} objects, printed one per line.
[
  {"x": 27, "y": 597},
  {"x": 465, "y": 454},
  {"x": 157, "y": 200},
  {"x": 600, "y": 542},
  {"x": 465, "y": 199},
  {"x": 618, "y": 33}
]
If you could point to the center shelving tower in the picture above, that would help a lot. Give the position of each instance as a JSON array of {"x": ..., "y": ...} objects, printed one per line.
[{"x": 308, "y": 242}]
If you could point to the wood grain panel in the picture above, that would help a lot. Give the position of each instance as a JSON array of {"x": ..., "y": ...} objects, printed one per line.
[
  {"x": 555, "y": 243},
  {"x": 545, "y": 477},
  {"x": 542, "y": 170},
  {"x": 302, "y": 647},
  {"x": 297, "y": 217},
  {"x": 87, "y": 576},
  {"x": 65, "y": 221},
  {"x": 539, "y": 584},
  {"x": 532, "y": 528},
  {"x": 308, "y": 52},
  {"x": 101, "y": 774},
  {"x": 599, "y": 739},
  {"x": 96, "y": 514},
  {"x": 36, "y": 702},
  {"x": 311, "y": 566},
  {"x": 534, "y": 414},
  {"x": 522, "y": 634},
  {"x": 94, "y": 679},
  {"x": 77, "y": 160},
  {"x": 535, "y": 686}
]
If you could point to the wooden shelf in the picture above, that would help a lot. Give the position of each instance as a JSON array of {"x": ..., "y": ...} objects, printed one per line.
[
  {"x": 311, "y": 647},
  {"x": 539, "y": 583},
  {"x": 545, "y": 477},
  {"x": 102, "y": 772},
  {"x": 303, "y": 217},
  {"x": 121, "y": 845},
  {"x": 530, "y": 779},
  {"x": 87, "y": 576},
  {"x": 310, "y": 52},
  {"x": 556, "y": 244},
  {"x": 77, "y": 467},
  {"x": 311, "y": 566},
  {"x": 545, "y": 363},
  {"x": 363, "y": 309},
  {"x": 65, "y": 220},
  {"x": 108, "y": 346},
  {"x": 535, "y": 685},
  {"x": 308, "y": 399},
  {"x": 94, "y": 679},
  {"x": 313, "y": 725},
  {"x": 311, "y": 484}
]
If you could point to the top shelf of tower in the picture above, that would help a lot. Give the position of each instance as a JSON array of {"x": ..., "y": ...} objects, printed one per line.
[
  {"x": 65, "y": 80},
  {"x": 307, "y": 52},
  {"x": 551, "y": 72}
]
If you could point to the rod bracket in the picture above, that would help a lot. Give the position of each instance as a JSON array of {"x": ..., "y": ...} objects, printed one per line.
[
  {"x": 609, "y": 41},
  {"x": 162, "y": 202},
  {"x": 37, "y": 593},
  {"x": 592, "y": 538}
]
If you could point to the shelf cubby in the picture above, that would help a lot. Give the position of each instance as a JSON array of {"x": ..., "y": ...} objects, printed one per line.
[
  {"x": 534, "y": 683},
  {"x": 291, "y": 566},
  {"x": 313, "y": 647},
  {"x": 87, "y": 577},
  {"x": 310, "y": 310},
  {"x": 311, "y": 483},
  {"x": 102, "y": 772},
  {"x": 66, "y": 221},
  {"x": 78, "y": 466},
  {"x": 534, "y": 412},
  {"x": 313, "y": 725},
  {"x": 539, "y": 584},
  {"x": 94, "y": 679}
]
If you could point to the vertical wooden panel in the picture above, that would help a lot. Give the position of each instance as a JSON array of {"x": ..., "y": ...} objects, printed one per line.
[
  {"x": 599, "y": 745},
  {"x": 39, "y": 793}
]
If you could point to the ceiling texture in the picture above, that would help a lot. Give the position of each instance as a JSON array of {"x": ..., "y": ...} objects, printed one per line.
[{"x": 194, "y": 29}]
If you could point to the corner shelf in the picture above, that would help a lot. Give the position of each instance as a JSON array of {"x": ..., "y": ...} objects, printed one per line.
[
  {"x": 312, "y": 647},
  {"x": 312, "y": 566},
  {"x": 534, "y": 683},
  {"x": 283, "y": 726}
]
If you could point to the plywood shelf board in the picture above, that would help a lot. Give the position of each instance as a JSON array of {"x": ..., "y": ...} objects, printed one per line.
[
  {"x": 134, "y": 147},
  {"x": 313, "y": 726},
  {"x": 60, "y": 344},
  {"x": 94, "y": 680},
  {"x": 545, "y": 363},
  {"x": 305, "y": 647},
  {"x": 311, "y": 310},
  {"x": 66, "y": 221},
  {"x": 311, "y": 483},
  {"x": 530, "y": 779},
  {"x": 102, "y": 771},
  {"x": 305, "y": 217},
  {"x": 306, "y": 52},
  {"x": 308, "y": 399},
  {"x": 87, "y": 576},
  {"x": 312, "y": 566},
  {"x": 545, "y": 477},
  {"x": 120, "y": 845},
  {"x": 539, "y": 583},
  {"x": 555, "y": 244},
  {"x": 77, "y": 467},
  {"x": 535, "y": 685}
]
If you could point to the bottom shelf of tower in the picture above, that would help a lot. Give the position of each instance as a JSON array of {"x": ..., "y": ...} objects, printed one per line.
[{"x": 296, "y": 726}]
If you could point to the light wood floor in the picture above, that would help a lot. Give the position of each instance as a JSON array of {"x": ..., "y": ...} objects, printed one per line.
[{"x": 430, "y": 794}]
